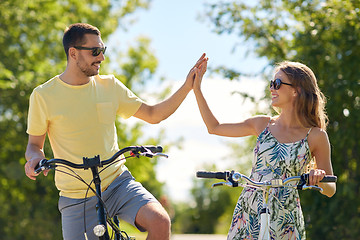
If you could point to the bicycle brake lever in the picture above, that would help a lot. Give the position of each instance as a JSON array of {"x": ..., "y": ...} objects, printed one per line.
[
  {"x": 161, "y": 155},
  {"x": 147, "y": 154},
  {"x": 229, "y": 184},
  {"x": 151, "y": 155},
  {"x": 317, "y": 188}
]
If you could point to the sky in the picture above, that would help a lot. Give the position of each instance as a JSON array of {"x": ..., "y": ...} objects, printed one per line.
[{"x": 178, "y": 39}]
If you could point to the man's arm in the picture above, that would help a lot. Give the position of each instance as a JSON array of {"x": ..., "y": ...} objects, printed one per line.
[
  {"x": 34, "y": 154},
  {"x": 158, "y": 112}
]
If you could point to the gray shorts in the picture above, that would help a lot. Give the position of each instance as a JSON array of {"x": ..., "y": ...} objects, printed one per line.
[{"x": 123, "y": 198}]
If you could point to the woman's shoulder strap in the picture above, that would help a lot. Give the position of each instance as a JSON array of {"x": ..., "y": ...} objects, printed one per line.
[{"x": 309, "y": 132}]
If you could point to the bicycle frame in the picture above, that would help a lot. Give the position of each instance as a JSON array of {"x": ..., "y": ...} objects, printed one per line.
[
  {"x": 101, "y": 230},
  {"x": 94, "y": 163},
  {"x": 265, "y": 218},
  {"x": 233, "y": 178}
]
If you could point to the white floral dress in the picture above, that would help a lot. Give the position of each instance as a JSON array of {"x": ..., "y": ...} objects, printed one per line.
[{"x": 272, "y": 160}]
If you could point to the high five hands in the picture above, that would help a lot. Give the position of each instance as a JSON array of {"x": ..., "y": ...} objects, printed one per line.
[{"x": 197, "y": 72}]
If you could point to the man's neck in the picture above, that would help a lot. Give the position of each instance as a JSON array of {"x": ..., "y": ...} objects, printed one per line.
[{"x": 72, "y": 78}]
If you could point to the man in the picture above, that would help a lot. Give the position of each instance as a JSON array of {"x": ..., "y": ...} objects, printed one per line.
[{"x": 77, "y": 109}]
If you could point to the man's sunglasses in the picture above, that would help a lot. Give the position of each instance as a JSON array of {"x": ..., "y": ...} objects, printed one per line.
[
  {"x": 276, "y": 84},
  {"x": 95, "y": 50}
]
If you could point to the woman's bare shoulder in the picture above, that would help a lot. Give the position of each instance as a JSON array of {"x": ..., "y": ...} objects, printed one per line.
[
  {"x": 259, "y": 122},
  {"x": 317, "y": 133},
  {"x": 318, "y": 138}
]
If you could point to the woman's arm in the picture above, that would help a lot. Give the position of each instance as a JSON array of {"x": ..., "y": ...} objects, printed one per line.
[
  {"x": 320, "y": 149},
  {"x": 251, "y": 126}
]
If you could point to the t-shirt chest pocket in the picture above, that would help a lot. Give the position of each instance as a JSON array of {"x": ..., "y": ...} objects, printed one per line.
[{"x": 106, "y": 112}]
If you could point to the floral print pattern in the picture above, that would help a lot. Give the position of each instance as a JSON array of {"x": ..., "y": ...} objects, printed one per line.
[{"x": 272, "y": 160}]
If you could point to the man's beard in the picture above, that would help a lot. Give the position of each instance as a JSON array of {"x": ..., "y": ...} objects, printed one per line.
[{"x": 87, "y": 70}]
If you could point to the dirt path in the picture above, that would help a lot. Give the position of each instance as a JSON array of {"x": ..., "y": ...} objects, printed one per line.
[{"x": 198, "y": 237}]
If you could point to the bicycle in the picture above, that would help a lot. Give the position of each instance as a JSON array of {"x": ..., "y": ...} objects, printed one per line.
[
  {"x": 233, "y": 179},
  {"x": 101, "y": 230}
]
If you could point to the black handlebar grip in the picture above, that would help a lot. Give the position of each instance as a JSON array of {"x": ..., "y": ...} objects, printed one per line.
[
  {"x": 37, "y": 169},
  {"x": 217, "y": 175},
  {"x": 329, "y": 178},
  {"x": 38, "y": 166},
  {"x": 154, "y": 149}
]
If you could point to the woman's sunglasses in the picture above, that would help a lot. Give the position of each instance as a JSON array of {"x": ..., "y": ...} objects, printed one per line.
[
  {"x": 95, "y": 50},
  {"x": 276, "y": 84}
]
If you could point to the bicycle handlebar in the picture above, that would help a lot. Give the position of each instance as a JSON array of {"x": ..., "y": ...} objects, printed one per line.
[
  {"x": 218, "y": 175},
  {"x": 327, "y": 178},
  {"x": 147, "y": 151},
  {"x": 232, "y": 178}
]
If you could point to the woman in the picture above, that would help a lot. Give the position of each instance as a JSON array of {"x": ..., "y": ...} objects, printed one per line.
[{"x": 285, "y": 146}]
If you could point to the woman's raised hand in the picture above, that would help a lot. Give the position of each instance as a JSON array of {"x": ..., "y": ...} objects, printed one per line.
[
  {"x": 199, "y": 73},
  {"x": 194, "y": 70}
]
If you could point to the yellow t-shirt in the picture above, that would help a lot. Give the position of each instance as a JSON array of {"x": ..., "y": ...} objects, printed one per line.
[{"x": 80, "y": 122}]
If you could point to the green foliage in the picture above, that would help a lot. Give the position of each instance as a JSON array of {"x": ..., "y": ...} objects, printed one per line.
[
  {"x": 31, "y": 42},
  {"x": 141, "y": 64},
  {"x": 325, "y": 35}
]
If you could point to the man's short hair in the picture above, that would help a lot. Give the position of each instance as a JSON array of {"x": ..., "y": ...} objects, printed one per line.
[{"x": 74, "y": 35}]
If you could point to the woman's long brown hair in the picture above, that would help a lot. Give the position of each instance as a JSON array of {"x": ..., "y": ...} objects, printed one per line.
[{"x": 310, "y": 101}]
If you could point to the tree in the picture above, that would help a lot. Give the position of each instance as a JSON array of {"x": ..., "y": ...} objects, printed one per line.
[
  {"x": 324, "y": 35},
  {"x": 30, "y": 38}
]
